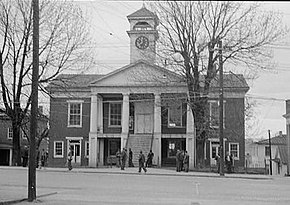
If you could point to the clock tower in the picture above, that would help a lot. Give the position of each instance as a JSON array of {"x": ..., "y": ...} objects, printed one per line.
[{"x": 143, "y": 35}]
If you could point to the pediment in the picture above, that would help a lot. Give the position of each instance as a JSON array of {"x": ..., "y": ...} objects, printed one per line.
[{"x": 139, "y": 74}]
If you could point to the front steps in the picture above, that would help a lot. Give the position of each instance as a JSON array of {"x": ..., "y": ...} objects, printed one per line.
[{"x": 139, "y": 142}]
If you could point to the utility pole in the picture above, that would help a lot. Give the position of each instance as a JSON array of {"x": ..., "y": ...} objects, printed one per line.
[
  {"x": 221, "y": 110},
  {"x": 34, "y": 104},
  {"x": 270, "y": 150}
]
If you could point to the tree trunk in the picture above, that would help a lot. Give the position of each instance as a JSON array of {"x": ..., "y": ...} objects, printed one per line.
[{"x": 16, "y": 155}]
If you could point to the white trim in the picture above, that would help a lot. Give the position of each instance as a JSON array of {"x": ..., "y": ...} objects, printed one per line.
[
  {"x": 81, "y": 112},
  {"x": 238, "y": 149},
  {"x": 74, "y": 138},
  {"x": 54, "y": 146},
  {"x": 8, "y": 133}
]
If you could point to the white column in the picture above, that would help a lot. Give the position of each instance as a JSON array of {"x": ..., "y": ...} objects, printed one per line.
[
  {"x": 100, "y": 115},
  {"x": 93, "y": 137},
  {"x": 125, "y": 120},
  {"x": 157, "y": 130},
  {"x": 190, "y": 137}
]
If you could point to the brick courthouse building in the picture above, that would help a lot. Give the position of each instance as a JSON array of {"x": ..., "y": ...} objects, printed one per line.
[{"x": 140, "y": 106}]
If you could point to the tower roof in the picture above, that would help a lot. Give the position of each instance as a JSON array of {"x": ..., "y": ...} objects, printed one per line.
[{"x": 141, "y": 13}]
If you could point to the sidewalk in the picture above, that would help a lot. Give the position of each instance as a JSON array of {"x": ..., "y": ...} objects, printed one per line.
[{"x": 8, "y": 193}]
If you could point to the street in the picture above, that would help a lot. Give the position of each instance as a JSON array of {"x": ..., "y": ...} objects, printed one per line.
[{"x": 75, "y": 187}]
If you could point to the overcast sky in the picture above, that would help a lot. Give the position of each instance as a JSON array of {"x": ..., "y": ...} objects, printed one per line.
[{"x": 109, "y": 24}]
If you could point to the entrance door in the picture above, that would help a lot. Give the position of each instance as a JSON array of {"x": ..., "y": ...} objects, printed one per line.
[
  {"x": 144, "y": 117},
  {"x": 214, "y": 151},
  {"x": 76, "y": 151}
]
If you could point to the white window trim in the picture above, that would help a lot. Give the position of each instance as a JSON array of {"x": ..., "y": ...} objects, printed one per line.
[
  {"x": 168, "y": 117},
  {"x": 8, "y": 131},
  {"x": 54, "y": 146},
  {"x": 81, "y": 112},
  {"x": 238, "y": 149},
  {"x": 210, "y": 112},
  {"x": 109, "y": 124}
]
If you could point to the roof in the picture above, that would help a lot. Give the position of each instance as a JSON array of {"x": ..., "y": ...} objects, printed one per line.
[
  {"x": 84, "y": 80},
  {"x": 73, "y": 80},
  {"x": 230, "y": 80},
  {"x": 143, "y": 12},
  {"x": 278, "y": 140}
]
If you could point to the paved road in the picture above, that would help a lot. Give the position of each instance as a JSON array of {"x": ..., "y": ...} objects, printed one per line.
[{"x": 64, "y": 187}]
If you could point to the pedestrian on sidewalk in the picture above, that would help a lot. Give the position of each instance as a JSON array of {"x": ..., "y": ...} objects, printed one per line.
[
  {"x": 118, "y": 156},
  {"x": 141, "y": 160},
  {"x": 131, "y": 158},
  {"x": 218, "y": 159},
  {"x": 177, "y": 157},
  {"x": 69, "y": 159},
  {"x": 186, "y": 161},
  {"x": 123, "y": 158},
  {"x": 149, "y": 159},
  {"x": 229, "y": 162}
]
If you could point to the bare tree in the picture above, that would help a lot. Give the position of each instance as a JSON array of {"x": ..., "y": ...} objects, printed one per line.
[
  {"x": 190, "y": 32},
  {"x": 63, "y": 41}
]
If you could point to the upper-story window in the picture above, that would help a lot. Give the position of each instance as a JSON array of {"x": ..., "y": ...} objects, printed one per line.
[
  {"x": 115, "y": 114},
  {"x": 175, "y": 115},
  {"x": 214, "y": 111},
  {"x": 75, "y": 113},
  {"x": 267, "y": 151},
  {"x": 9, "y": 133}
]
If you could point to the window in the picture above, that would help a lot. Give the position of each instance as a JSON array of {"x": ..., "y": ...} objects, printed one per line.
[
  {"x": 175, "y": 115},
  {"x": 234, "y": 150},
  {"x": 75, "y": 113},
  {"x": 10, "y": 133},
  {"x": 87, "y": 148},
  {"x": 267, "y": 151},
  {"x": 58, "y": 149},
  {"x": 214, "y": 113},
  {"x": 115, "y": 114}
]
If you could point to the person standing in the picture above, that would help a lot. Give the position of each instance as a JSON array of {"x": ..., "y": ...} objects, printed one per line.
[
  {"x": 228, "y": 162},
  {"x": 186, "y": 161},
  {"x": 141, "y": 160},
  {"x": 178, "y": 160},
  {"x": 69, "y": 159},
  {"x": 44, "y": 156},
  {"x": 131, "y": 158},
  {"x": 25, "y": 156},
  {"x": 118, "y": 156},
  {"x": 123, "y": 158},
  {"x": 218, "y": 158},
  {"x": 149, "y": 159}
]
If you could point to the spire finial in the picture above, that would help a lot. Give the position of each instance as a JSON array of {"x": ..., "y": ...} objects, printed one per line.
[{"x": 143, "y": 6}]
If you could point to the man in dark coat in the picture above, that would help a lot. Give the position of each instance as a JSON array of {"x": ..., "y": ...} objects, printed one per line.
[
  {"x": 131, "y": 158},
  {"x": 186, "y": 161},
  {"x": 123, "y": 158},
  {"x": 149, "y": 159},
  {"x": 178, "y": 160},
  {"x": 141, "y": 160}
]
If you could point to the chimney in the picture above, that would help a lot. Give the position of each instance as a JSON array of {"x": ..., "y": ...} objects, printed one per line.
[{"x": 287, "y": 106}]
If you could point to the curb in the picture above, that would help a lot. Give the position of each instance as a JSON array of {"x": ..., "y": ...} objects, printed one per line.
[{"x": 25, "y": 199}]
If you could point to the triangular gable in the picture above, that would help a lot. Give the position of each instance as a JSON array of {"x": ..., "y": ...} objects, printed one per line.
[{"x": 140, "y": 73}]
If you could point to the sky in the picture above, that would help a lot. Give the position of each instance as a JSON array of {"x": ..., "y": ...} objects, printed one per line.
[{"x": 108, "y": 20}]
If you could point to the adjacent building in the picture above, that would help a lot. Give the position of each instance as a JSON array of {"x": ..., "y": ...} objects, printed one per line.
[{"x": 140, "y": 106}]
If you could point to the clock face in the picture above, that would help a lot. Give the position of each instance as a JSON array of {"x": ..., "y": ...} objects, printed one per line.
[{"x": 142, "y": 42}]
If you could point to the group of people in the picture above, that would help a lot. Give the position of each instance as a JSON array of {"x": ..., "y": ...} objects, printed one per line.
[
  {"x": 182, "y": 161},
  {"x": 122, "y": 158},
  {"x": 229, "y": 162},
  {"x": 41, "y": 157}
]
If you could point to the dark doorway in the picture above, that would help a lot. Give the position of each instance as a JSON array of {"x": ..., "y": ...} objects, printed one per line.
[
  {"x": 4, "y": 157},
  {"x": 169, "y": 149}
]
